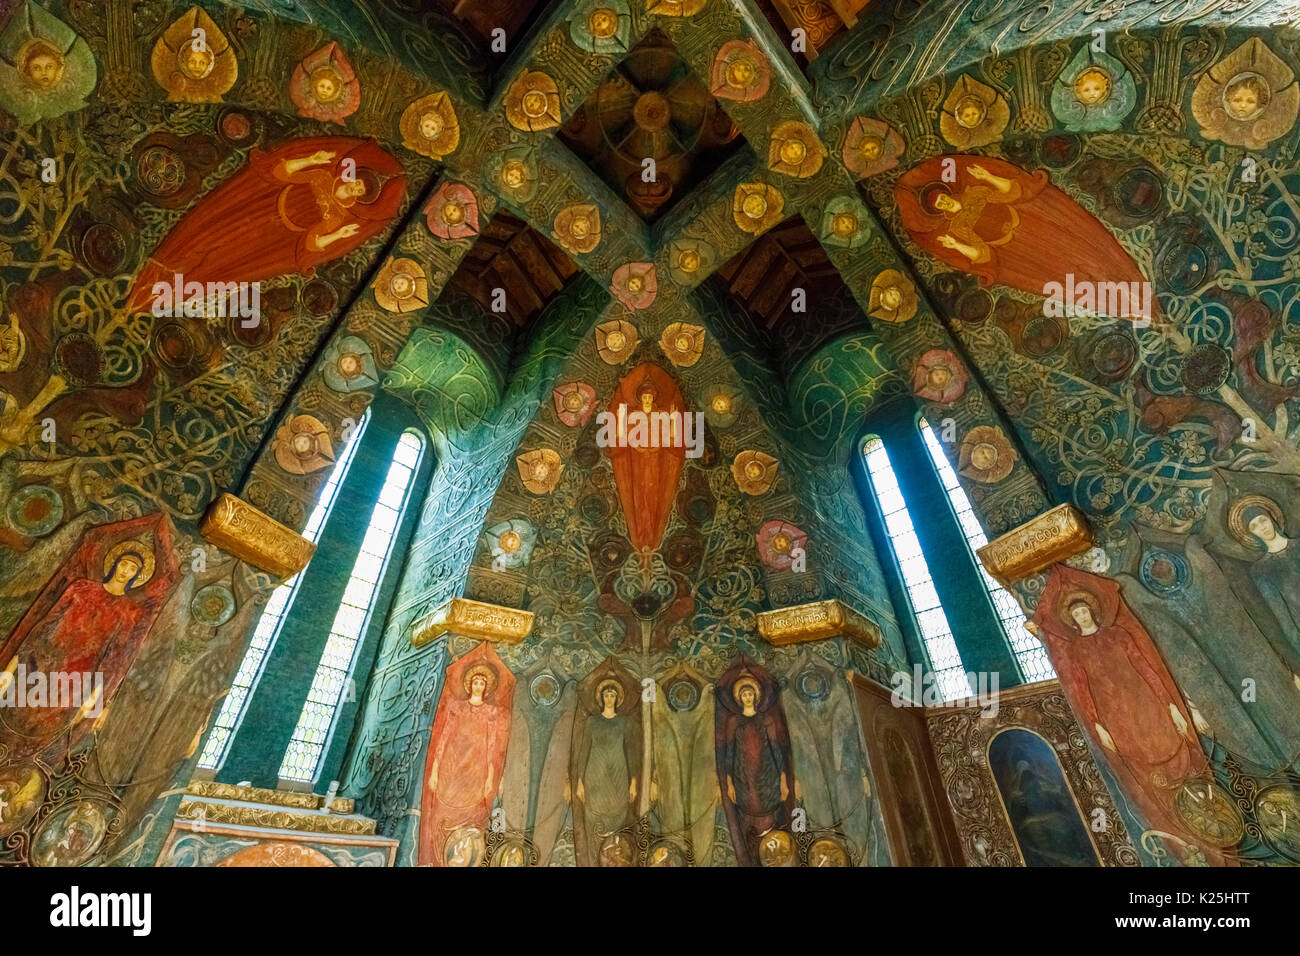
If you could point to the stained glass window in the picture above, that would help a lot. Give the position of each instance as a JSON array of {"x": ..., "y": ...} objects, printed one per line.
[
  {"x": 921, "y": 594},
  {"x": 273, "y": 616},
  {"x": 1034, "y": 665},
  {"x": 316, "y": 721}
]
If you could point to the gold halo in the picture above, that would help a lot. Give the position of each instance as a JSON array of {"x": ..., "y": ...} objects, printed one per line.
[
  {"x": 489, "y": 674},
  {"x": 1237, "y": 522},
  {"x": 140, "y": 550},
  {"x": 746, "y": 680},
  {"x": 618, "y": 690}
]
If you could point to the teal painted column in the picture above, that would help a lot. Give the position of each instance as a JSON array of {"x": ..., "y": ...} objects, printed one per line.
[
  {"x": 976, "y": 628},
  {"x": 263, "y": 735}
]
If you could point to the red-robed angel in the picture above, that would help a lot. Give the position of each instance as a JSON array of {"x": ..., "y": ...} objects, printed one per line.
[
  {"x": 467, "y": 753},
  {"x": 304, "y": 203},
  {"x": 1123, "y": 695},
  {"x": 755, "y": 765},
  {"x": 1006, "y": 226},
  {"x": 646, "y": 477},
  {"x": 91, "y": 617}
]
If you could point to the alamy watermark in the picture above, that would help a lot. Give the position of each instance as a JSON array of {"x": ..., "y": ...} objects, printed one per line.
[
  {"x": 196, "y": 299},
  {"x": 922, "y": 688},
  {"x": 1087, "y": 298},
  {"x": 62, "y": 689},
  {"x": 648, "y": 429}
]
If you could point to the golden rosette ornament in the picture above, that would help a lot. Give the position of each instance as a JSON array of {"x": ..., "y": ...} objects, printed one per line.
[
  {"x": 974, "y": 114},
  {"x": 452, "y": 212},
  {"x": 429, "y": 126},
  {"x": 939, "y": 376},
  {"x": 795, "y": 150},
  {"x": 574, "y": 403},
  {"x": 778, "y": 541},
  {"x": 754, "y": 472},
  {"x": 515, "y": 170},
  {"x": 986, "y": 454},
  {"x": 892, "y": 298},
  {"x": 302, "y": 445},
  {"x": 845, "y": 222},
  {"x": 577, "y": 228},
  {"x": 756, "y": 207},
  {"x": 721, "y": 405},
  {"x": 324, "y": 86},
  {"x": 193, "y": 60},
  {"x": 690, "y": 261},
  {"x": 635, "y": 284},
  {"x": 615, "y": 341},
  {"x": 682, "y": 343},
  {"x": 740, "y": 72},
  {"x": 401, "y": 286},
  {"x": 1249, "y": 98},
  {"x": 533, "y": 102},
  {"x": 871, "y": 147},
  {"x": 540, "y": 470}
]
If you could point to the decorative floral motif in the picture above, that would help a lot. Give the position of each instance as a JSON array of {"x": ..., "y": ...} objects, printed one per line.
[
  {"x": 795, "y": 150},
  {"x": 302, "y": 445},
  {"x": 533, "y": 102},
  {"x": 893, "y": 297},
  {"x": 348, "y": 365},
  {"x": 194, "y": 67},
  {"x": 515, "y": 171},
  {"x": 46, "y": 70},
  {"x": 682, "y": 343},
  {"x": 690, "y": 261},
  {"x": 740, "y": 72},
  {"x": 778, "y": 543},
  {"x": 452, "y": 212},
  {"x": 540, "y": 470},
  {"x": 754, "y": 472},
  {"x": 1094, "y": 92},
  {"x": 973, "y": 114},
  {"x": 756, "y": 207},
  {"x": 510, "y": 543},
  {"x": 401, "y": 286},
  {"x": 1249, "y": 98},
  {"x": 845, "y": 222},
  {"x": 721, "y": 405},
  {"x": 577, "y": 227},
  {"x": 574, "y": 403},
  {"x": 635, "y": 284},
  {"x": 324, "y": 86},
  {"x": 429, "y": 126},
  {"x": 871, "y": 147},
  {"x": 615, "y": 341},
  {"x": 601, "y": 26},
  {"x": 939, "y": 376},
  {"x": 986, "y": 454}
]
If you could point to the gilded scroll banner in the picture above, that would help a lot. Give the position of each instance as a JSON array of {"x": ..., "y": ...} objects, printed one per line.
[
  {"x": 484, "y": 622},
  {"x": 1037, "y": 544},
  {"x": 816, "y": 622},
  {"x": 251, "y": 535}
]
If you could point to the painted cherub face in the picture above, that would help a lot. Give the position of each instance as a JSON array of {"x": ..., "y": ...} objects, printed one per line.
[
  {"x": 1092, "y": 86},
  {"x": 196, "y": 64},
  {"x": 350, "y": 189},
  {"x": 431, "y": 125},
  {"x": 326, "y": 85},
  {"x": 984, "y": 456},
  {"x": 1245, "y": 97},
  {"x": 1082, "y": 615},
  {"x": 891, "y": 297},
  {"x": 970, "y": 111},
  {"x": 43, "y": 68},
  {"x": 871, "y": 148}
]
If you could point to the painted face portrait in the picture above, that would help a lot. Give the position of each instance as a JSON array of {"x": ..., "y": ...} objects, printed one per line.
[
  {"x": 42, "y": 66},
  {"x": 1092, "y": 86},
  {"x": 196, "y": 64},
  {"x": 1246, "y": 96}
]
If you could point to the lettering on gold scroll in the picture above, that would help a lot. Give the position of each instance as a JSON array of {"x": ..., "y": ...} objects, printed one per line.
[
  {"x": 1037, "y": 544},
  {"x": 253, "y": 536},
  {"x": 817, "y": 621}
]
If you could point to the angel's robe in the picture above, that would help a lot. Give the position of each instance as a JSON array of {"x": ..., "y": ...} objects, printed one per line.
[
  {"x": 469, "y": 747},
  {"x": 1025, "y": 238},
  {"x": 1115, "y": 678},
  {"x": 265, "y": 221}
]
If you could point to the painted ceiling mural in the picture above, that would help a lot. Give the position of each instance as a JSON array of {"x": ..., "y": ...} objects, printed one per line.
[{"x": 656, "y": 205}]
